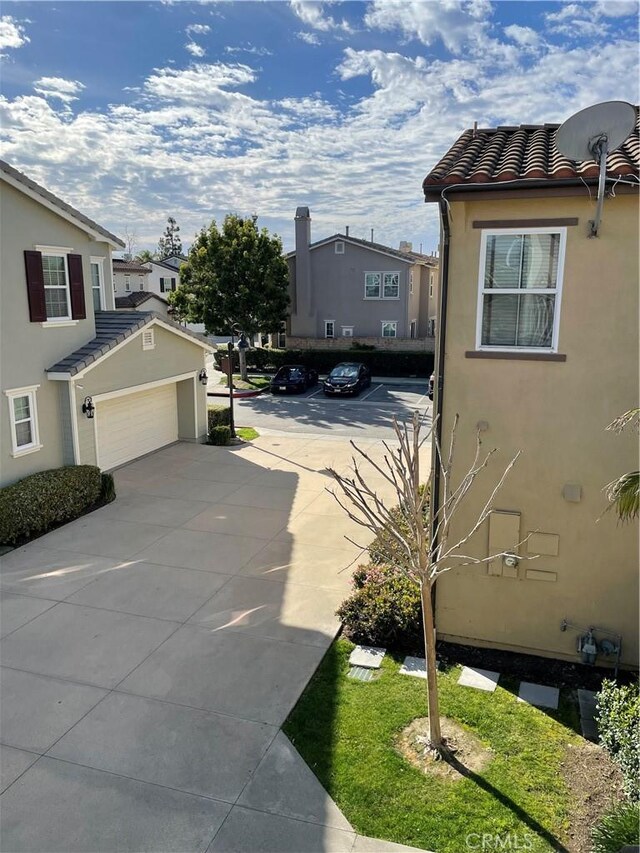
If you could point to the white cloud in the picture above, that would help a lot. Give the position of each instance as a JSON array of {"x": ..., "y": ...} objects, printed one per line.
[
  {"x": 312, "y": 13},
  {"x": 456, "y": 23},
  {"x": 198, "y": 83},
  {"x": 195, "y": 49},
  {"x": 12, "y": 33},
  {"x": 250, "y": 49},
  {"x": 309, "y": 38},
  {"x": 617, "y": 8},
  {"x": 198, "y": 29},
  {"x": 58, "y": 87},
  {"x": 524, "y": 36}
]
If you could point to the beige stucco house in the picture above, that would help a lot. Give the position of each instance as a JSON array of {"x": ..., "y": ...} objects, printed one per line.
[
  {"x": 66, "y": 353},
  {"x": 343, "y": 289},
  {"x": 538, "y": 349}
]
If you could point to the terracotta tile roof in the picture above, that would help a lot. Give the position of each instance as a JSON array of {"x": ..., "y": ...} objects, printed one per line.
[
  {"x": 129, "y": 266},
  {"x": 499, "y": 154},
  {"x": 113, "y": 327}
]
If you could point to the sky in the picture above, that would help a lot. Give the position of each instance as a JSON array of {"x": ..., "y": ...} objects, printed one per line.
[{"x": 136, "y": 111}]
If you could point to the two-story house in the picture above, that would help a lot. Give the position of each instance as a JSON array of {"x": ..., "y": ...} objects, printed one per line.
[
  {"x": 538, "y": 350},
  {"x": 344, "y": 287},
  {"x": 81, "y": 383},
  {"x": 164, "y": 275},
  {"x": 131, "y": 288}
]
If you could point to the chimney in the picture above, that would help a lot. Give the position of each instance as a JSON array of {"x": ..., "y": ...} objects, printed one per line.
[
  {"x": 302, "y": 324},
  {"x": 346, "y": 231},
  {"x": 372, "y": 235},
  {"x": 475, "y": 129},
  {"x": 406, "y": 246}
]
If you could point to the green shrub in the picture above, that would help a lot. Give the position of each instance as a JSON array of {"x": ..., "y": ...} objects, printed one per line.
[
  {"x": 617, "y": 828},
  {"x": 220, "y": 435},
  {"x": 618, "y": 719},
  {"x": 41, "y": 501},
  {"x": 380, "y": 362},
  {"x": 383, "y": 610},
  {"x": 218, "y": 416},
  {"x": 107, "y": 488}
]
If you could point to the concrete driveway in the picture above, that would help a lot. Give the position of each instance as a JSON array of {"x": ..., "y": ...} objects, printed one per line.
[{"x": 152, "y": 650}]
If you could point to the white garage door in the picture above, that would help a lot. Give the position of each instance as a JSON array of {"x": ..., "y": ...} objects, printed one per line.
[{"x": 135, "y": 424}]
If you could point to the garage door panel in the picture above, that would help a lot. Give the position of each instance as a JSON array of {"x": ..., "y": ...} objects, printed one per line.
[{"x": 135, "y": 424}]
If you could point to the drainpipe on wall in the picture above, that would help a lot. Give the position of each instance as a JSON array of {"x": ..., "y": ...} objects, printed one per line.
[{"x": 439, "y": 366}]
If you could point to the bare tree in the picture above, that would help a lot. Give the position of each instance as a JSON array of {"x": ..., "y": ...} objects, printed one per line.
[
  {"x": 411, "y": 549},
  {"x": 131, "y": 242}
]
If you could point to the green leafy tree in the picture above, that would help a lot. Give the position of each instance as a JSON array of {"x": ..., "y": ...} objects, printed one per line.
[
  {"x": 170, "y": 242},
  {"x": 145, "y": 256},
  {"x": 234, "y": 276}
]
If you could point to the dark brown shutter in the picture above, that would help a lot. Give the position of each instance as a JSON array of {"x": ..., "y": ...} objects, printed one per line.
[
  {"x": 35, "y": 287},
  {"x": 76, "y": 287},
  {"x": 173, "y": 284}
]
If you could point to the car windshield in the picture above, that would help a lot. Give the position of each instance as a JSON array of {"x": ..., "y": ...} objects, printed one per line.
[
  {"x": 289, "y": 373},
  {"x": 344, "y": 371}
]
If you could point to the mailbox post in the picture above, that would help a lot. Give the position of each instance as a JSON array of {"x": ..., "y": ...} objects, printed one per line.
[{"x": 230, "y": 381}]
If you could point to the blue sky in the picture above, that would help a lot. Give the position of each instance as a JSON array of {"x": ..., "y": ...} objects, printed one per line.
[{"x": 135, "y": 111}]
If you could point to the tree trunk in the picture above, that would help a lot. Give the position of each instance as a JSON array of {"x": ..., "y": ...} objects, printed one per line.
[
  {"x": 243, "y": 364},
  {"x": 435, "y": 735}
]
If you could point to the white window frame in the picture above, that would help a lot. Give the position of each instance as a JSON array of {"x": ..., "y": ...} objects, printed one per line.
[
  {"x": 127, "y": 283},
  {"x": 58, "y": 252},
  {"x": 99, "y": 262},
  {"x": 413, "y": 329},
  {"x": 506, "y": 291},
  {"x": 382, "y": 274},
  {"x": 393, "y": 323},
  {"x": 282, "y": 340},
  {"x": 148, "y": 339},
  {"x": 347, "y": 331},
  {"x": 140, "y": 282},
  {"x": 431, "y": 289},
  {"x": 34, "y": 445},
  {"x": 339, "y": 247},
  {"x": 411, "y": 281},
  {"x": 331, "y": 323}
]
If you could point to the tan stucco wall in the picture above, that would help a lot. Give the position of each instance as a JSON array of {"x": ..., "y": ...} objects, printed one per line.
[
  {"x": 556, "y": 413},
  {"x": 27, "y": 349},
  {"x": 130, "y": 367}
]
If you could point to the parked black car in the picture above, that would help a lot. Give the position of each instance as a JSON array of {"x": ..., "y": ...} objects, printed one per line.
[
  {"x": 293, "y": 377},
  {"x": 432, "y": 380},
  {"x": 347, "y": 378}
]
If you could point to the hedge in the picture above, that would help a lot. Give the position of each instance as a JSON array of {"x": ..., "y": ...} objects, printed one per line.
[
  {"x": 37, "y": 503},
  {"x": 379, "y": 362},
  {"x": 220, "y": 435},
  {"x": 618, "y": 720},
  {"x": 218, "y": 416}
]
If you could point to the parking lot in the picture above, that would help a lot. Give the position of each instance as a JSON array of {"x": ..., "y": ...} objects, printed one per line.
[{"x": 368, "y": 415}]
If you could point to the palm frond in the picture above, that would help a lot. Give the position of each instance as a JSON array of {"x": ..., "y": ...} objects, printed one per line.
[
  {"x": 623, "y": 495},
  {"x": 621, "y": 421}
]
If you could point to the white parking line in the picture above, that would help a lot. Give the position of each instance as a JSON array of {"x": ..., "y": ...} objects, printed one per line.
[
  {"x": 313, "y": 395},
  {"x": 373, "y": 390}
]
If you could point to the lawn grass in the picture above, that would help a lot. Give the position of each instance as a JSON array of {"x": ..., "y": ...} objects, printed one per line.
[
  {"x": 247, "y": 433},
  {"x": 345, "y": 730},
  {"x": 254, "y": 383}
]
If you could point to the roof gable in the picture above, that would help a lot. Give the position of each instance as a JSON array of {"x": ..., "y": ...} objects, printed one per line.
[
  {"x": 364, "y": 244},
  {"x": 34, "y": 191}
]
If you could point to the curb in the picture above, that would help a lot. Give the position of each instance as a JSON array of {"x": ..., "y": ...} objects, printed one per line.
[{"x": 238, "y": 393}]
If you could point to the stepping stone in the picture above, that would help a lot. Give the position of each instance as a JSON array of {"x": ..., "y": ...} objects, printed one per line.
[
  {"x": 481, "y": 679},
  {"x": 538, "y": 695},
  {"x": 367, "y": 656},
  {"x": 589, "y": 729},
  {"x": 362, "y": 673},
  {"x": 414, "y": 666},
  {"x": 587, "y": 702}
]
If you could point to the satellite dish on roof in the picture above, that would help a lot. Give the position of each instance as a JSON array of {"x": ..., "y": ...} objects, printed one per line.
[{"x": 591, "y": 134}]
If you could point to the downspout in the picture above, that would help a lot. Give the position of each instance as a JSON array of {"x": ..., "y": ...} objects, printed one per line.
[{"x": 442, "y": 334}]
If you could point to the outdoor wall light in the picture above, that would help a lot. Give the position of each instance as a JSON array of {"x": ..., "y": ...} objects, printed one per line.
[
  {"x": 88, "y": 408},
  {"x": 202, "y": 376}
]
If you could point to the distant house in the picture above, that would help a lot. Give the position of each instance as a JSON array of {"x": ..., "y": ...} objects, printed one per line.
[
  {"x": 343, "y": 287},
  {"x": 129, "y": 277},
  {"x": 142, "y": 300},
  {"x": 538, "y": 349},
  {"x": 82, "y": 383},
  {"x": 164, "y": 275}
]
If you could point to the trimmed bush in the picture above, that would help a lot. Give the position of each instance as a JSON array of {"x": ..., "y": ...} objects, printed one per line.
[
  {"x": 379, "y": 362},
  {"x": 618, "y": 719},
  {"x": 218, "y": 416},
  {"x": 383, "y": 610},
  {"x": 384, "y": 547},
  {"x": 220, "y": 435},
  {"x": 107, "y": 488},
  {"x": 41, "y": 501},
  {"x": 617, "y": 828}
]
